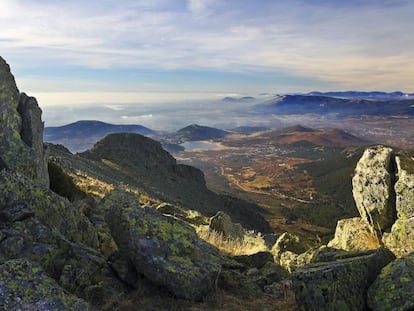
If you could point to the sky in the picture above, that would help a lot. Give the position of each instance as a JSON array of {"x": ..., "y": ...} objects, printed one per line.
[{"x": 137, "y": 51}]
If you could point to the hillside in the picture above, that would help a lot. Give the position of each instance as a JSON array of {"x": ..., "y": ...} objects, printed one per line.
[
  {"x": 82, "y": 135},
  {"x": 328, "y": 137},
  {"x": 196, "y": 132}
]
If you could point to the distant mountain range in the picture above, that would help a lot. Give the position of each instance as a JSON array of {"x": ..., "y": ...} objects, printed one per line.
[{"x": 299, "y": 104}]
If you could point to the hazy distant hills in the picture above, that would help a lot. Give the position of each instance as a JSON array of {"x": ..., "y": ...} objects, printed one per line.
[
  {"x": 82, "y": 135},
  {"x": 300, "y": 104},
  {"x": 365, "y": 95}
]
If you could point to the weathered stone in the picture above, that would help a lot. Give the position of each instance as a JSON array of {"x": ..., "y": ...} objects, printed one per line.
[
  {"x": 373, "y": 187},
  {"x": 404, "y": 187},
  {"x": 354, "y": 234},
  {"x": 21, "y": 130},
  {"x": 221, "y": 223},
  {"x": 339, "y": 285},
  {"x": 25, "y": 286},
  {"x": 167, "y": 251},
  {"x": 287, "y": 242},
  {"x": 393, "y": 289},
  {"x": 401, "y": 238}
]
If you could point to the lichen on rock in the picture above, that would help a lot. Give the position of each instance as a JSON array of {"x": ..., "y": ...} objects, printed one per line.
[
  {"x": 404, "y": 187},
  {"x": 393, "y": 289},
  {"x": 21, "y": 130},
  {"x": 341, "y": 284},
  {"x": 25, "y": 286},
  {"x": 401, "y": 238},
  {"x": 373, "y": 187},
  {"x": 167, "y": 251}
]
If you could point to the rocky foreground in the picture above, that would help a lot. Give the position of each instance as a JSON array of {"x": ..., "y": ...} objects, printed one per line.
[{"x": 111, "y": 229}]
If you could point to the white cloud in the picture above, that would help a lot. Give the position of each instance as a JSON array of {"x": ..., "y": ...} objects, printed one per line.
[{"x": 368, "y": 45}]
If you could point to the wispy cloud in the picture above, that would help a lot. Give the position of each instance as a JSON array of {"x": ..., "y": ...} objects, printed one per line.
[{"x": 355, "y": 44}]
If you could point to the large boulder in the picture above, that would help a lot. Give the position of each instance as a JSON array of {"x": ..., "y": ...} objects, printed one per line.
[
  {"x": 373, "y": 187},
  {"x": 354, "y": 234},
  {"x": 287, "y": 242},
  {"x": 394, "y": 287},
  {"x": 21, "y": 130},
  {"x": 341, "y": 284},
  {"x": 25, "y": 286},
  {"x": 221, "y": 223},
  {"x": 404, "y": 187},
  {"x": 165, "y": 250},
  {"x": 401, "y": 238}
]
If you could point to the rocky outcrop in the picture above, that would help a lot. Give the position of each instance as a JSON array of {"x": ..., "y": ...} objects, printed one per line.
[
  {"x": 394, "y": 287},
  {"x": 404, "y": 187},
  {"x": 341, "y": 284},
  {"x": 21, "y": 130},
  {"x": 25, "y": 286},
  {"x": 373, "y": 187},
  {"x": 168, "y": 252},
  {"x": 221, "y": 223},
  {"x": 32, "y": 134},
  {"x": 354, "y": 234}
]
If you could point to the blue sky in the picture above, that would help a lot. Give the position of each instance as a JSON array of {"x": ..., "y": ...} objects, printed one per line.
[{"x": 75, "y": 52}]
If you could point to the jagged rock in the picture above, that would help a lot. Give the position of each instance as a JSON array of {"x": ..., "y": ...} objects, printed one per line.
[
  {"x": 21, "y": 130},
  {"x": 354, "y": 234},
  {"x": 401, "y": 238},
  {"x": 25, "y": 286},
  {"x": 373, "y": 184},
  {"x": 167, "y": 251},
  {"x": 341, "y": 284},
  {"x": 221, "y": 223},
  {"x": 37, "y": 224},
  {"x": 404, "y": 187},
  {"x": 393, "y": 289},
  {"x": 287, "y": 242}
]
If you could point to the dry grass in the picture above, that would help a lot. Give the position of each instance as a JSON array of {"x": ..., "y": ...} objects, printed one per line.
[{"x": 252, "y": 242}]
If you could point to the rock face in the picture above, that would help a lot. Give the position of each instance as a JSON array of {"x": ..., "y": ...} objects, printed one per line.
[
  {"x": 25, "y": 286},
  {"x": 373, "y": 187},
  {"x": 341, "y": 284},
  {"x": 221, "y": 223},
  {"x": 21, "y": 130},
  {"x": 354, "y": 234},
  {"x": 167, "y": 252},
  {"x": 394, "y": 287}
]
